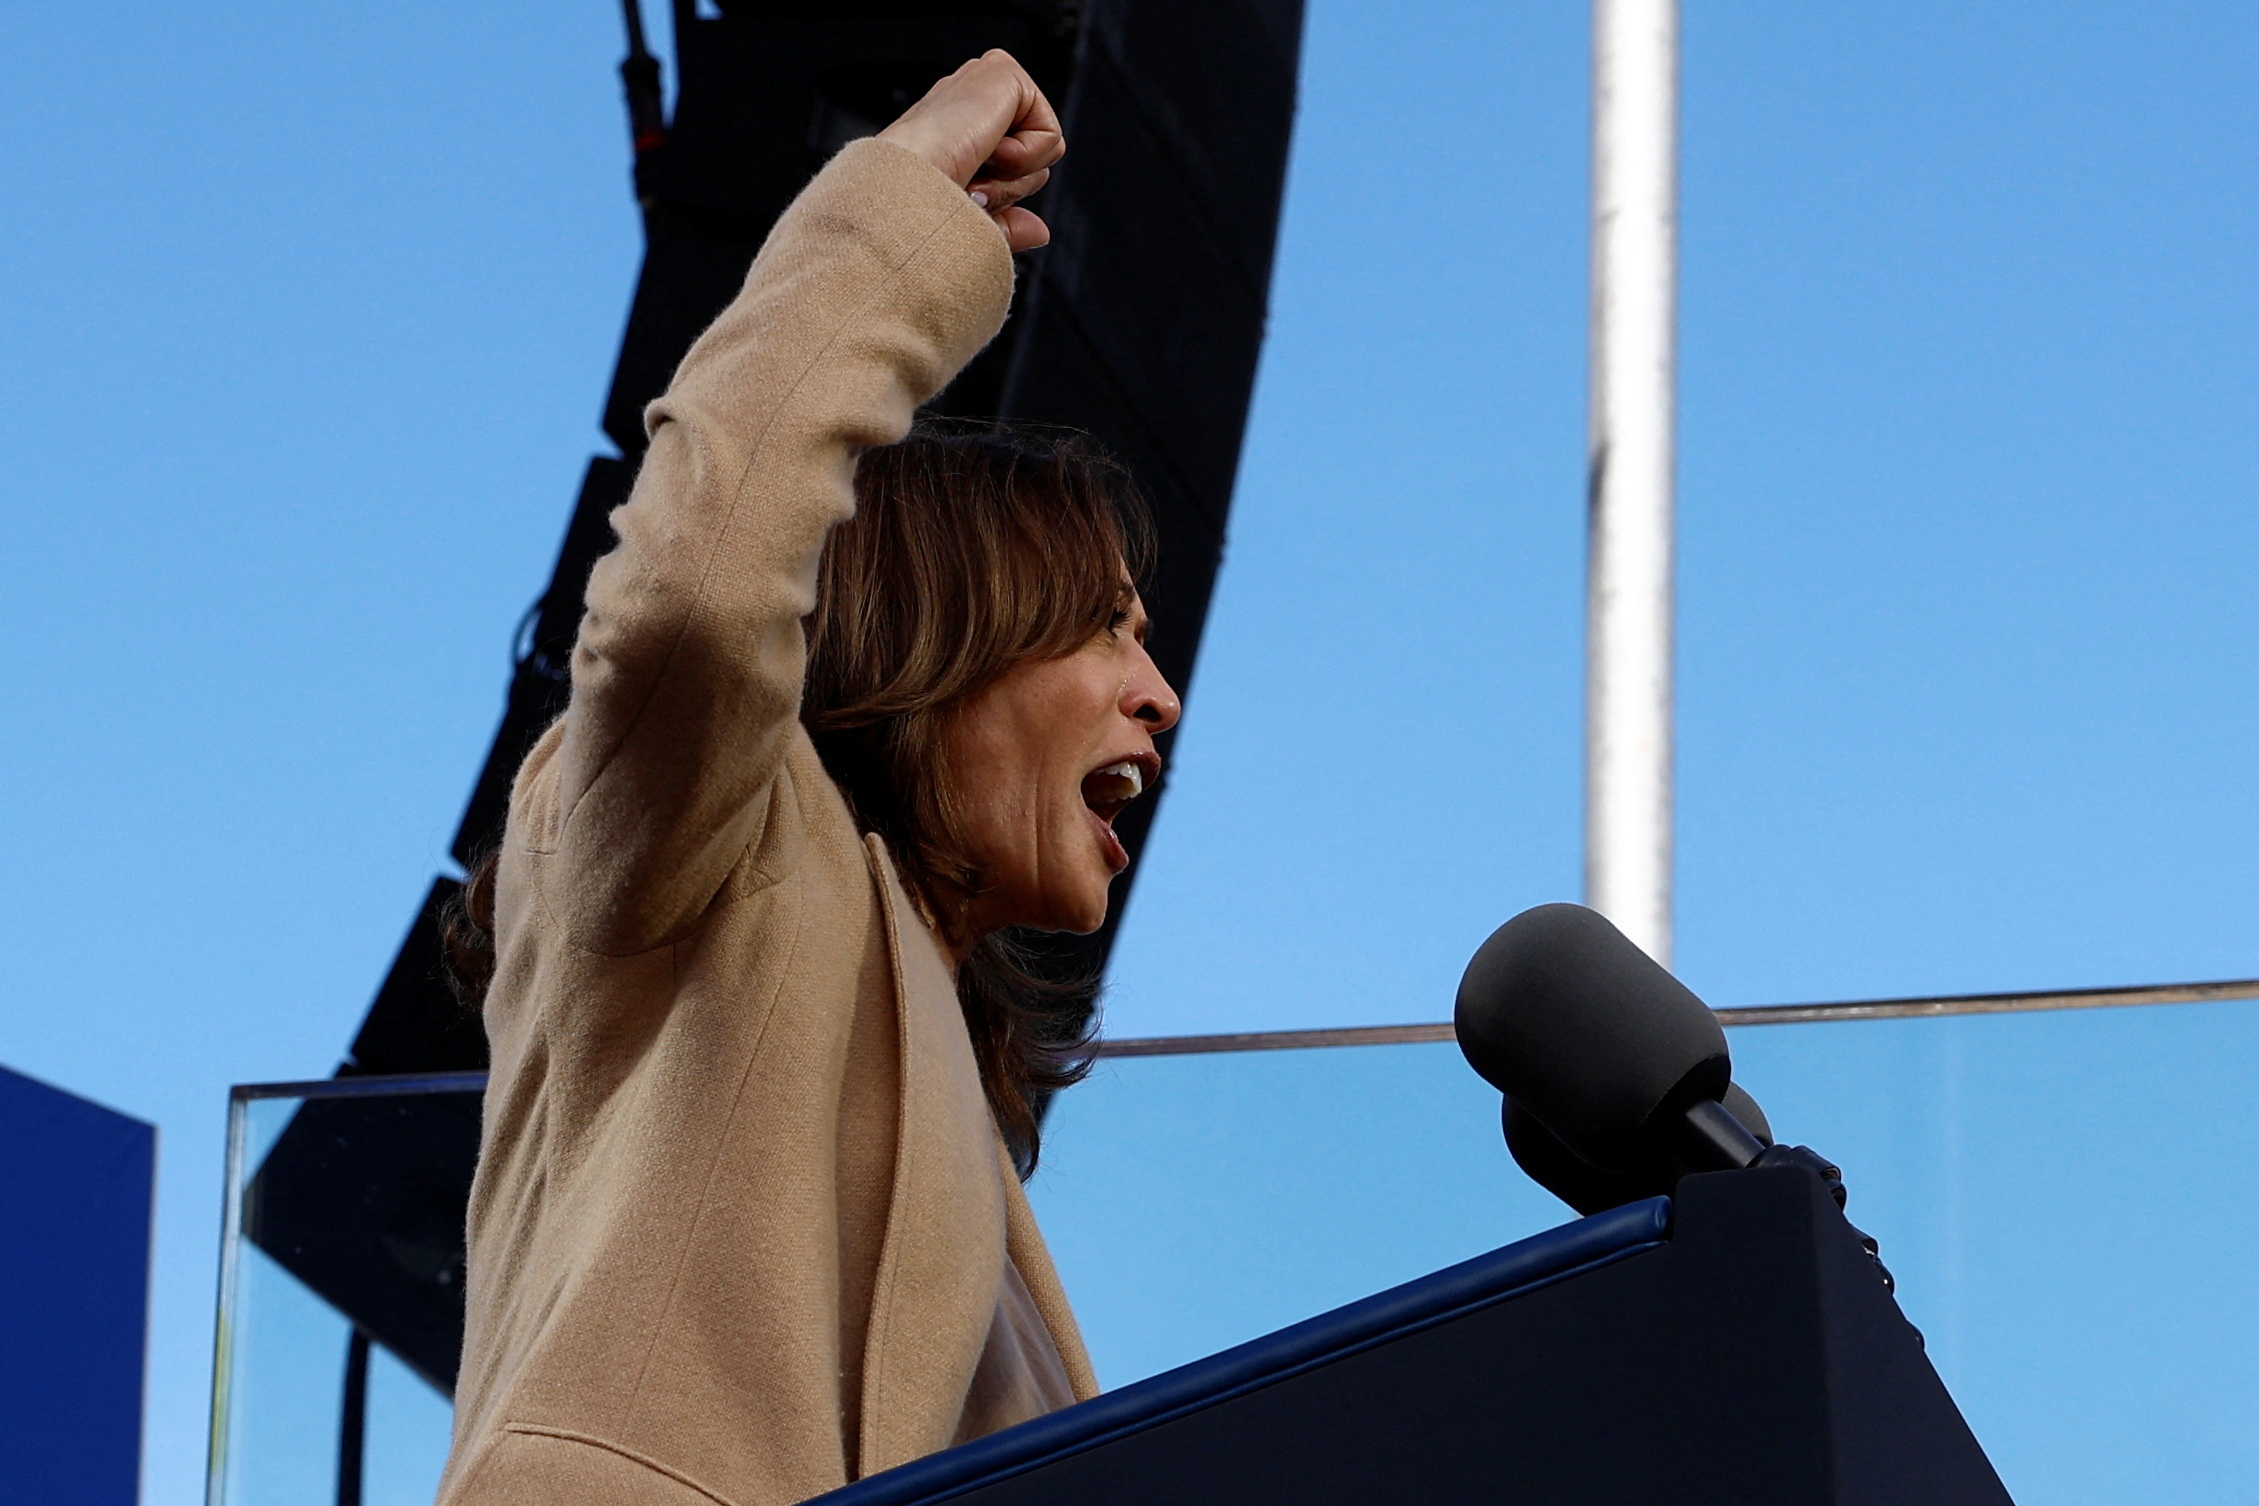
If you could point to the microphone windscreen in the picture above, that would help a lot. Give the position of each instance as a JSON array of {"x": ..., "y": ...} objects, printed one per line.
[
  {"x": 1570, "y": 1177},
  {"x": 1564, "y": 1014}
]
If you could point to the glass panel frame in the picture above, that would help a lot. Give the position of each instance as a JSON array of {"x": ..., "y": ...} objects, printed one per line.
[{"x": 306, "y": 1409}]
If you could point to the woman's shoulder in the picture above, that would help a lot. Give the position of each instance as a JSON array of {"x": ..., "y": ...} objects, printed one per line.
[
  {"x": 810, "y": 833},
  {"x": 531, "y": 824},
  {"x": 807, "y": 835}
]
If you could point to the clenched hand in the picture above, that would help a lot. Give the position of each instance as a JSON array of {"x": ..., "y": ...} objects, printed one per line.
[{"x": 989, "y": 128}]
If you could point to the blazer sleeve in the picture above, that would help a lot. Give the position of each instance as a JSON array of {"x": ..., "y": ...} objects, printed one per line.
[{"x": 874, "y": 288}]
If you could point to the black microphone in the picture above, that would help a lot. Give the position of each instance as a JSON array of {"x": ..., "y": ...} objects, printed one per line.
[
  {"x": 1617, "y": 1078},
  {"x": 1618, "y": 1059}
]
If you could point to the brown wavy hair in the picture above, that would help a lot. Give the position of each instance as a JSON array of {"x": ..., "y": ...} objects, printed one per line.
[{"x": 970, "y": 551}]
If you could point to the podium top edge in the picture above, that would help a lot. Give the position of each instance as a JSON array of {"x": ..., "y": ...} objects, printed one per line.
[{"x": 1499, "y": 1276}]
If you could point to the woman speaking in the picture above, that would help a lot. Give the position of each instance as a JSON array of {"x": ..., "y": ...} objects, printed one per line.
[{"x": 846, "y": 708}]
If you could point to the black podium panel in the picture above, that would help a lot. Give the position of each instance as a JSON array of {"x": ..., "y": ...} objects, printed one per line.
[{"x": 1734, "y": 1345}]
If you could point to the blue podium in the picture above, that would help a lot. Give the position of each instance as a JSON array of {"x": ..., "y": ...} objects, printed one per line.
[
  {"x": 1730, "y": 1344},
  {"x": 76, "y": 1181}
]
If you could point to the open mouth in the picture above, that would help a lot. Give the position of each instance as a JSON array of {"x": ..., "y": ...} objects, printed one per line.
[{"x": 1108, "y": 792}]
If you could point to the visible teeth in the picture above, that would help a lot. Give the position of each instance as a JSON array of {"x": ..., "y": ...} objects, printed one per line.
[{"x": 1130, "y": 772}]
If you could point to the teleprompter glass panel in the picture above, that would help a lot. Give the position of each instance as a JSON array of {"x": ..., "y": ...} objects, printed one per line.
[{"x": 2065, "y": 1198}]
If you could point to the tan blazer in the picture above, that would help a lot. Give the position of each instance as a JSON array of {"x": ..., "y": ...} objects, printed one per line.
[{"x": 743, "y": 1228}]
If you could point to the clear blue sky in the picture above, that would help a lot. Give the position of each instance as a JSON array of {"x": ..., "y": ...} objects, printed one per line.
[{"x": 307, "y": 315}]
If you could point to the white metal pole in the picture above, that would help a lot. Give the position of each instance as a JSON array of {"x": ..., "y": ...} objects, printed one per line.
[{"x": 1628, "y": 605}]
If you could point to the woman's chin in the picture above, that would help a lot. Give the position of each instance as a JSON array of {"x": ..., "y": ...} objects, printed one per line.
[
  {"x": 1075, "y": 908},
  {"x": 1077, "y": 918},
  {"x": 1083, "y": 911}
]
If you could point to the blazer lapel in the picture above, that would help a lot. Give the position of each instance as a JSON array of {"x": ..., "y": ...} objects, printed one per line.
[{"x": 943, "y": 1261}]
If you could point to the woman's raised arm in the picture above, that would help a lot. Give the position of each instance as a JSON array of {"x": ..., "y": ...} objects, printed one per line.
[{"x": 886, "y": 275}]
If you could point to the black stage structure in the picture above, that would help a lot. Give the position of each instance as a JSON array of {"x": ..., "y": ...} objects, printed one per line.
[{"x": 1140, "y": 325}]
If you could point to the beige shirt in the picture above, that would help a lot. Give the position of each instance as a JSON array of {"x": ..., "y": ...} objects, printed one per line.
[{"x": 743, "y": 1229}]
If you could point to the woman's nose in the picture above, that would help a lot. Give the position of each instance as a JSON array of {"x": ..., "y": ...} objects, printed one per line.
[{"x": 1148, "y": 698}]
